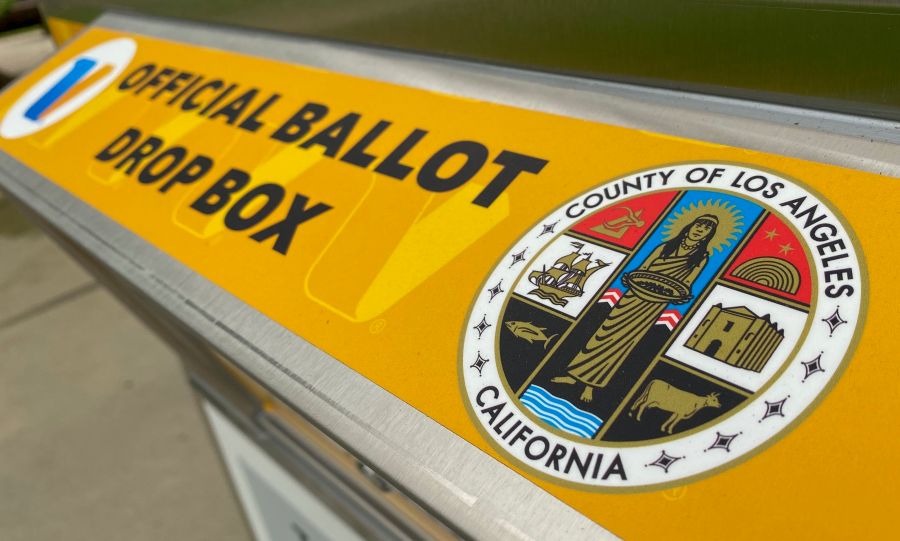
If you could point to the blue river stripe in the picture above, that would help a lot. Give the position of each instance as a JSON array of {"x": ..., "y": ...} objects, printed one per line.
[
  {"x": 551, "y": 418},
  {"x": 560, "y": 413},
  {"x": 586, "y": 415},
  {"x": 554, "y": 421}
]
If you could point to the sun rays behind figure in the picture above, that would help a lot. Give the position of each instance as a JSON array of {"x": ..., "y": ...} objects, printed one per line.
[{"x": 731, "y": 221}]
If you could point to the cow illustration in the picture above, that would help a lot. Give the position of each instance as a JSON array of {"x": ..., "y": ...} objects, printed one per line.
[{"x": 681, "y": 404}]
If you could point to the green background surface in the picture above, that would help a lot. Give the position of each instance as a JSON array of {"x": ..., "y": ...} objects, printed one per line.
[{"x": 840, "y": 56}]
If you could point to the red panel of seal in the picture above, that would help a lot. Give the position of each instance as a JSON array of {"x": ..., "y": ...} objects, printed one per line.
[
  {"x": 626, "y": 223},
  {"x": 774, "y": 261}
]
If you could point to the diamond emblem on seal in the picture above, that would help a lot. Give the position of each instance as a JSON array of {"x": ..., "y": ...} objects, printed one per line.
[
  {"x": 834, "y": 321},
  {"x": 774, "y": 409},
  {"x": 665, "y": 461},
  {"x": 548, "y": 229},
  {"x": 481, "y": 326},
  {"x": 723, "y": 441},
  {"x": 479, "y": 363},
  {"x": 495, "y": 290},
  {"x": 813, "y": 366},
  {"x": 660, "y": 315}
]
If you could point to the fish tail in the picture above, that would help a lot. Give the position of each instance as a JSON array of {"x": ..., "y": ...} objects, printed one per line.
[{"x": 547, "y": 342}]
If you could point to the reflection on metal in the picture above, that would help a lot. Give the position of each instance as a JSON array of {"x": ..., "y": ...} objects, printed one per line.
[{"x": 830, "y": 55}]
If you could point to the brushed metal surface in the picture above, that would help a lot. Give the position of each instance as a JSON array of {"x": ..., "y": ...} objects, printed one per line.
[{"x": 473, "y": 491}]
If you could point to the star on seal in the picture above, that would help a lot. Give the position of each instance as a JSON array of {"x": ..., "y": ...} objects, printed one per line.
[
  {"x": 479, "y": 363},
  {"x": 834, "y": 321},
  {"x": 482, "y": 326},
  {"x": 723, "y": 441},
  {"x": 774, "y": 409},
  {"x": 664, "y": 461},
  {"x": 496, "y": 290},
  {"x": 547, "y": 229},
  {"x": 518, "y": 258},
  {"x": 813, "y": 366}
]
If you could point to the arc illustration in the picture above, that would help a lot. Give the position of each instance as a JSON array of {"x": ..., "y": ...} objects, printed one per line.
[{"x": 771, "y": 272}]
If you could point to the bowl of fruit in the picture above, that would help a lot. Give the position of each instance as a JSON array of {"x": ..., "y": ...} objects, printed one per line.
[{"x": 655, "y": 287}]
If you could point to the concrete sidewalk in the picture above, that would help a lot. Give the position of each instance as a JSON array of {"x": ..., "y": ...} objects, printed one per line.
[
  {"x": 21, "y": 50},
  {"x": 100, "y": 437}
]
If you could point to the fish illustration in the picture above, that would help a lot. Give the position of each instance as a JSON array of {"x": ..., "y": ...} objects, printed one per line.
[{"x": 530, "y": 332}]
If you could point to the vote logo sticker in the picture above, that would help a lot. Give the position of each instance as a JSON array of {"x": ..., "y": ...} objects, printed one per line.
[
  {"x": 67, "y": 88},
  {"x": 662, "y": 326}
]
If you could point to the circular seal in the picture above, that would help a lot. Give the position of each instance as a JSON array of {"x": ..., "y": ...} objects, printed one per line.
[{"x": 663, "y": 326}]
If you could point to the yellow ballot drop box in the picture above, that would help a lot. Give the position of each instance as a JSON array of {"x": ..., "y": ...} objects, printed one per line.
[{"x": 426, "y": 298}]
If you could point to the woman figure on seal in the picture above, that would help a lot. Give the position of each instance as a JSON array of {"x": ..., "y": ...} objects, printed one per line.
[{"x": 682, "y": 258}]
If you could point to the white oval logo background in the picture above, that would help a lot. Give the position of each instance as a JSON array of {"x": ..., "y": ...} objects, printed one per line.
[
  {"x": 817, "y": 357},
  {"x": 114, "y": 54}
]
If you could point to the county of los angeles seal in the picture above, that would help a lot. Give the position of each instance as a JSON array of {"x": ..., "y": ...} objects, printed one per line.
[{"x": 663, "y": 325}]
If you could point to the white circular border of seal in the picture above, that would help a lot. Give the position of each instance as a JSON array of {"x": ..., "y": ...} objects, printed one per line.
[
  {"x": 693, "y": 455},
  {"x": 116, "y": 53}
]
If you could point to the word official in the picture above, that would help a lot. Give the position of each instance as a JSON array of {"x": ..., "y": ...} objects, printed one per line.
[{"x": 343, "y": 136}]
